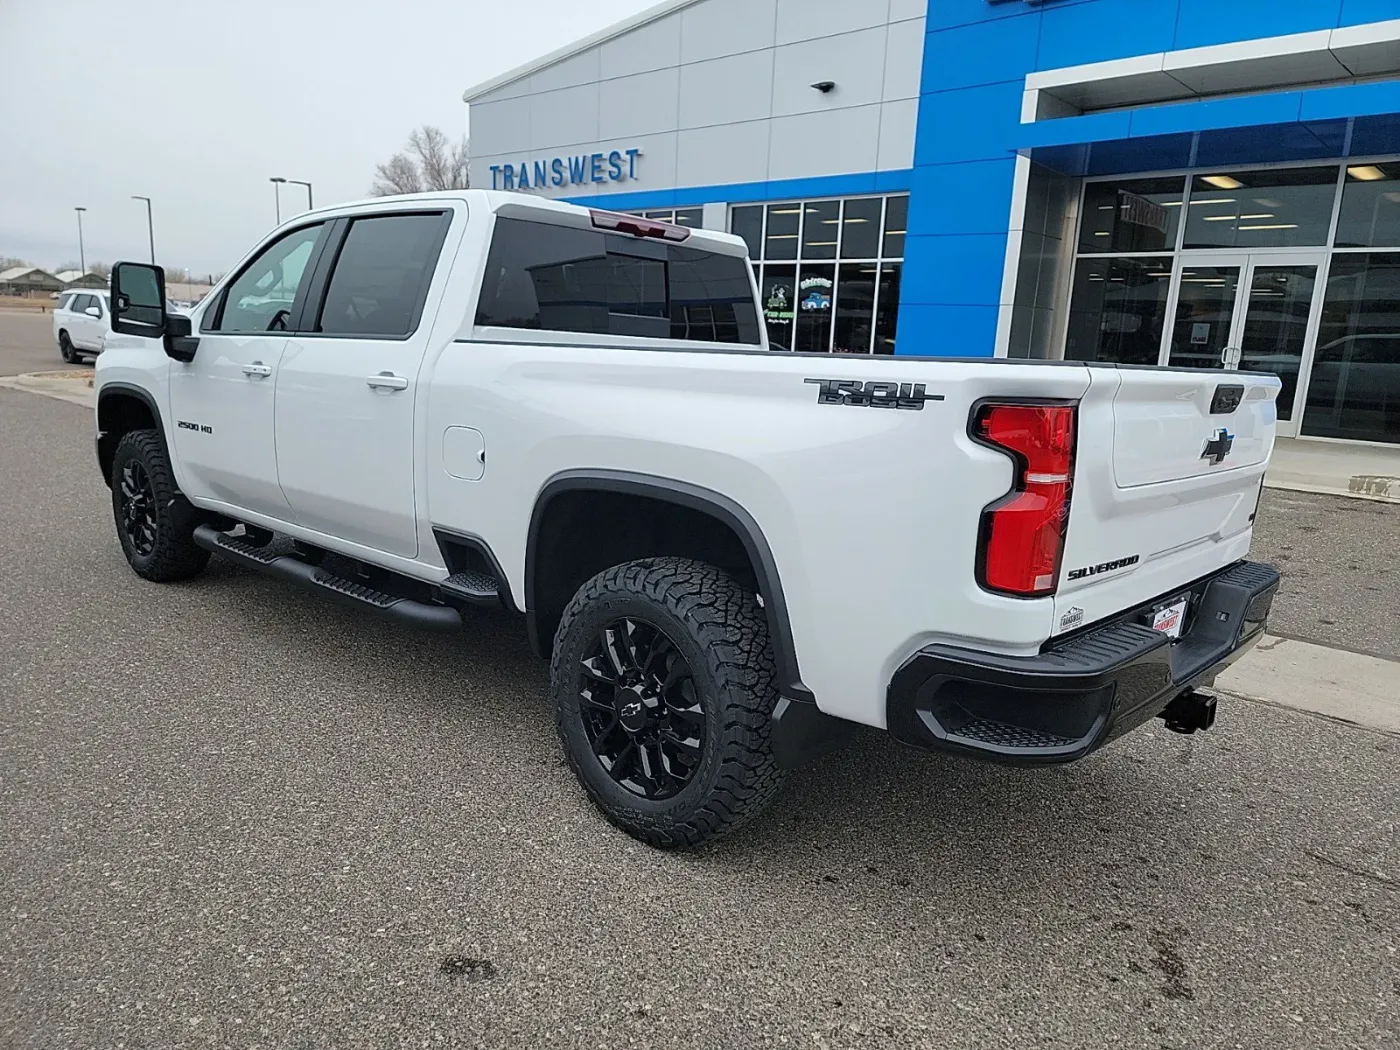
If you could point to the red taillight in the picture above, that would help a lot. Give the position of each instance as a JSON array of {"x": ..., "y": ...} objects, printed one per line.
[{"x": 1023, "y": 534}]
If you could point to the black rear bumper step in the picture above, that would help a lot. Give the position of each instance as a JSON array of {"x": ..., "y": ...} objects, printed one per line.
[
  {"x": 1082, "y": 691},
  {"x": 349, "y": 592}
]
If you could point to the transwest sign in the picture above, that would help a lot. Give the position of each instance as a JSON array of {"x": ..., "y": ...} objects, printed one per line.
[{"x": 580, "y": 169}]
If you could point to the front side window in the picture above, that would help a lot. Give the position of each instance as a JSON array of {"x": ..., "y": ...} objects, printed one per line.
[
  {"x": 566, "y": 279},
  {"x": 261, "y": 299},
  {"x": 381, "y": 275}
]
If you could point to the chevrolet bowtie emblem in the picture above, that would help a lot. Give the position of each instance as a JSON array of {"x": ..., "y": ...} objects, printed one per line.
[{"x": 1218, "y": 447}]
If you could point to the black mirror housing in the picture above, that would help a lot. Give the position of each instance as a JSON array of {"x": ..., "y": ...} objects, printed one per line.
[{"x": 139, "y": 308}]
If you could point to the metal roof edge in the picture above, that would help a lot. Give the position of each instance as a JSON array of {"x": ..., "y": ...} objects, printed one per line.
[{"x": 641, "y": 18}]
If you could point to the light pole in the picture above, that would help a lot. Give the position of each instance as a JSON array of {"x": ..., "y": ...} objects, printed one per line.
[
  {"x": 295, "y": 182},
  {"x": 82, "y": 259},
  {"x": 277, "y": 195},
  {"x": 150, "y": 225}
]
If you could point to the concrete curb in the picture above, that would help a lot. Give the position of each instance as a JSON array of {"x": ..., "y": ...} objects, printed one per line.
[
  {"x": 74, "y": 391},
  {"x": 1334, "y": 683}
]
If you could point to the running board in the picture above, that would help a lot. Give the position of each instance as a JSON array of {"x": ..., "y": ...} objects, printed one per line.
[
  {"x": 478, "y": 588},
  {"x": 349, "y": 592}
]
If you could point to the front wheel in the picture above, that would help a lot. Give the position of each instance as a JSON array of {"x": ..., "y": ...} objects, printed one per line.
[
  {"x": 664, "y": 688},
  {"x": 155, "y": 523}
]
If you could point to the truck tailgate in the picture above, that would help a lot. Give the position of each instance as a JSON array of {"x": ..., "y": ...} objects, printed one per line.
[{"x": 1168, "y": 468}]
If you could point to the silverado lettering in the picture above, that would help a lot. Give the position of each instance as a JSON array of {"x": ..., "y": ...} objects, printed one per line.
[{"x": 1103, "y": 566}]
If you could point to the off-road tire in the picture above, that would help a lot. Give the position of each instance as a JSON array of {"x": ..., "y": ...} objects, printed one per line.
[
  {"x": 65, "y": 348},
  {"x": 719, "y": 628},
  {"x": 174, "y": 555}
]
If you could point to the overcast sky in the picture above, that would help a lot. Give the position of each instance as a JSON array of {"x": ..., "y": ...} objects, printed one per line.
[{"x": 196, "y": 103}]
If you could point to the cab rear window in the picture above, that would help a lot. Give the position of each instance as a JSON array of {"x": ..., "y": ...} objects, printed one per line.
[{"x": 559, "y": 278}]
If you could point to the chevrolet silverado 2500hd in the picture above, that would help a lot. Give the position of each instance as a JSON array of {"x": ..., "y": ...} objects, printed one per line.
[{"x": 729, "y": 554}]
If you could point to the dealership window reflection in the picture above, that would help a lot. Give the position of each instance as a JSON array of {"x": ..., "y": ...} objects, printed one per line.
[{"x": 828, "y": 271}]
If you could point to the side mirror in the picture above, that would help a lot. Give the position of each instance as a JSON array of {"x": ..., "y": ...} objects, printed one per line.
[
  {"x": 138, "y": 300},
  {"x": 93, "y": 311},
  {"x": 139, "y": 308}
]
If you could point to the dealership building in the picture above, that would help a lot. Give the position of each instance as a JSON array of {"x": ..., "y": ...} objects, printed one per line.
[{"x": 1154, "y": 182}]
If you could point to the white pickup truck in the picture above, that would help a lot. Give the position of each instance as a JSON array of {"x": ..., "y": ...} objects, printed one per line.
[{"x": 431, "y": 404}]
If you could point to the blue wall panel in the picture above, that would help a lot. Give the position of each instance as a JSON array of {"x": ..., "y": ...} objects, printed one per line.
[
  {"x": 953, "y": 270},
  {"x": 946, "y": 331},
  {"x": 981, "y": 53},
  {"x": 1200, "y": 23},
  {"x": 1073, "y": 34},
  {"x": 966, "y": 197}
]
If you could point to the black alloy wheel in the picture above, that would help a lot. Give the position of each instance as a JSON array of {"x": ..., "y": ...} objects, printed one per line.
[
  {"x": 138, "y": 509},
  {"x": 641, "y": 712},
  {"x": 65, "y": 347}
]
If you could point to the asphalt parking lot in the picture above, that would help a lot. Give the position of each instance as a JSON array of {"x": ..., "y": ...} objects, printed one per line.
[
  {"x": 231, "y": 814},
  {"x": 27, "y": 343}
]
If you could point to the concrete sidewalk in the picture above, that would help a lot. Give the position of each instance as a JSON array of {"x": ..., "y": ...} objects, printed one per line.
[
  {"x": 72, "y": 386},
  {"x": 1367, "y": 471}
]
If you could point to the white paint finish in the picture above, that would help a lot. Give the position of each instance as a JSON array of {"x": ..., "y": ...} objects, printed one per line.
[
  {"x": 583, "y": 68},
  {"x": 1368, "y": 50},
  {"x": 564, "y": 118},
  {"x": 642, "y": 104},
  {"x": 741, "y": 425},
  {"x": 904, "y": 60},
  {"x": 715, "y": 216},
  {"x": 655, "y": 45},
  {"x": 1307, "y": 677},
  {"x": 898, "y": 121},
  {"x": 1299, "y": 58},
  {"x": 807, "y": 19},
  {"x": 513, "y": 89},
  {"x": 723, "y": 154},
  {"x": 901, "y": 10},
  {"x": 855, "y": 63},
  {"x": 1324, "y": 56},
  {"x": 726, "y": 90},
  {"x": 801, "y": 145},
  {"x": 464, "y": 453},
  {"x": 715, "y": 28},
  {"x": 504, "y": 125}
]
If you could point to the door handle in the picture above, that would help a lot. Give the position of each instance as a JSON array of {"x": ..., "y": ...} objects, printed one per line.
[
  {"x": 387, "y": 381},
  {"x": 258, "y": 370}
]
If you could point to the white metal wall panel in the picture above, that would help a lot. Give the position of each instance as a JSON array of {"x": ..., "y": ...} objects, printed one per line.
[
  {"x": 859, "y": 58},
  {"x": 564, "y": 118},
  {"x": 727, "y": 90},
  {"x": 801, "y": 143},
  {"x": 585, "y": 68},
  {"x": 897, "y": 122},
  {"x": 807, "y": 19},
  {"x": 501, "y": 127},
  {"x": 725, "y": 27},
  {"x": 656, "y": 45},
  {"x": 904, "y": 59},
  {"x": 723, "y": 154},
  {"x": 642, "y": 104}
]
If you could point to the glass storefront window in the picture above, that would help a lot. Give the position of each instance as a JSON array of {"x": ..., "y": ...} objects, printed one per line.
[
  {"x": 780, "y": 241},
  {"x": 816, "y": 288},
  {"x": 1137, "y": 215},
  {"x": 860, "y": 228},
  {"x": 1370, "y": 215},
  {"x": 887, "y": 312},
  {"x": 896, "y": 221},
  {"x": 1205, "y": 307},
  {"x": 778, "y": 295},
  {"x": 822, "y": 278},
  {"x": 855, "y": 308},
  {"x": 1354, "y": 391},
  {"x": 747, "y": 222},
  {"x": 1276, "y": 326},
  {"x": 1117, "y": 310},
  {"x": 1278, "y": 207},
  {"x": 820, "y": 222}
]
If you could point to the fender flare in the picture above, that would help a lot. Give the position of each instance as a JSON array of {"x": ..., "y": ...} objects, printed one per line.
[
  {"x": 107, "y": 392},
  {"x": 693, "y": 497}
]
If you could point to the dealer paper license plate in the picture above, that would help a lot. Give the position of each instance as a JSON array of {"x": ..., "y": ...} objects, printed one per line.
[{"x": 1169, "y": 619}]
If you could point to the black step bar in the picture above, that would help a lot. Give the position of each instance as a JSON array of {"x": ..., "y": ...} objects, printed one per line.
[{"x": 348, "y": 592}]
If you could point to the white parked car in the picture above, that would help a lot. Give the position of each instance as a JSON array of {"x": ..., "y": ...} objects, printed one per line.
[
  {"x": 81, "y": 321},
  {"x": 728, "y": 555}
]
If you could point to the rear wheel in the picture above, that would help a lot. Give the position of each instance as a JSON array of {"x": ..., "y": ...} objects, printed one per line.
[
  {"x": 664, "y": 688},
  {"x": 65, "y": 347},
  {"x": 155, "y": 523}
]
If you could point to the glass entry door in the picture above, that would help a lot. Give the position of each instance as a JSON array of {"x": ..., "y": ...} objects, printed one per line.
[{"x": 1255, "y": 312}]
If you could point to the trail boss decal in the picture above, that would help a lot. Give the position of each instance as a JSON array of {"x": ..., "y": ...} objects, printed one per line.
[
  {"x": 1103, "y": 566},
  {"x": 910, "y": 396}
]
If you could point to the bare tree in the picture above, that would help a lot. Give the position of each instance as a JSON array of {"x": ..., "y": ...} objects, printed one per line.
[
  {"x": 429, "y": 162},
  {"x": 101, "y": 269}
]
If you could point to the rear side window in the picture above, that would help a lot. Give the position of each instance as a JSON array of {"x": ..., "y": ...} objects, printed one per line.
[
  {"x": 382, "y": 274},
  {"x": 564, "y": 279}
]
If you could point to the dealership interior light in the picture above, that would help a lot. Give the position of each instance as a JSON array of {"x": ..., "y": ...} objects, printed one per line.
[
  {"x": 1222, "y": 182},
  {"x": 1366, "y": 173}
]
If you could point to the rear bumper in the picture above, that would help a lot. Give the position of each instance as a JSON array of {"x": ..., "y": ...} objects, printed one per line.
[{"x": 1080, "y": 691}]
